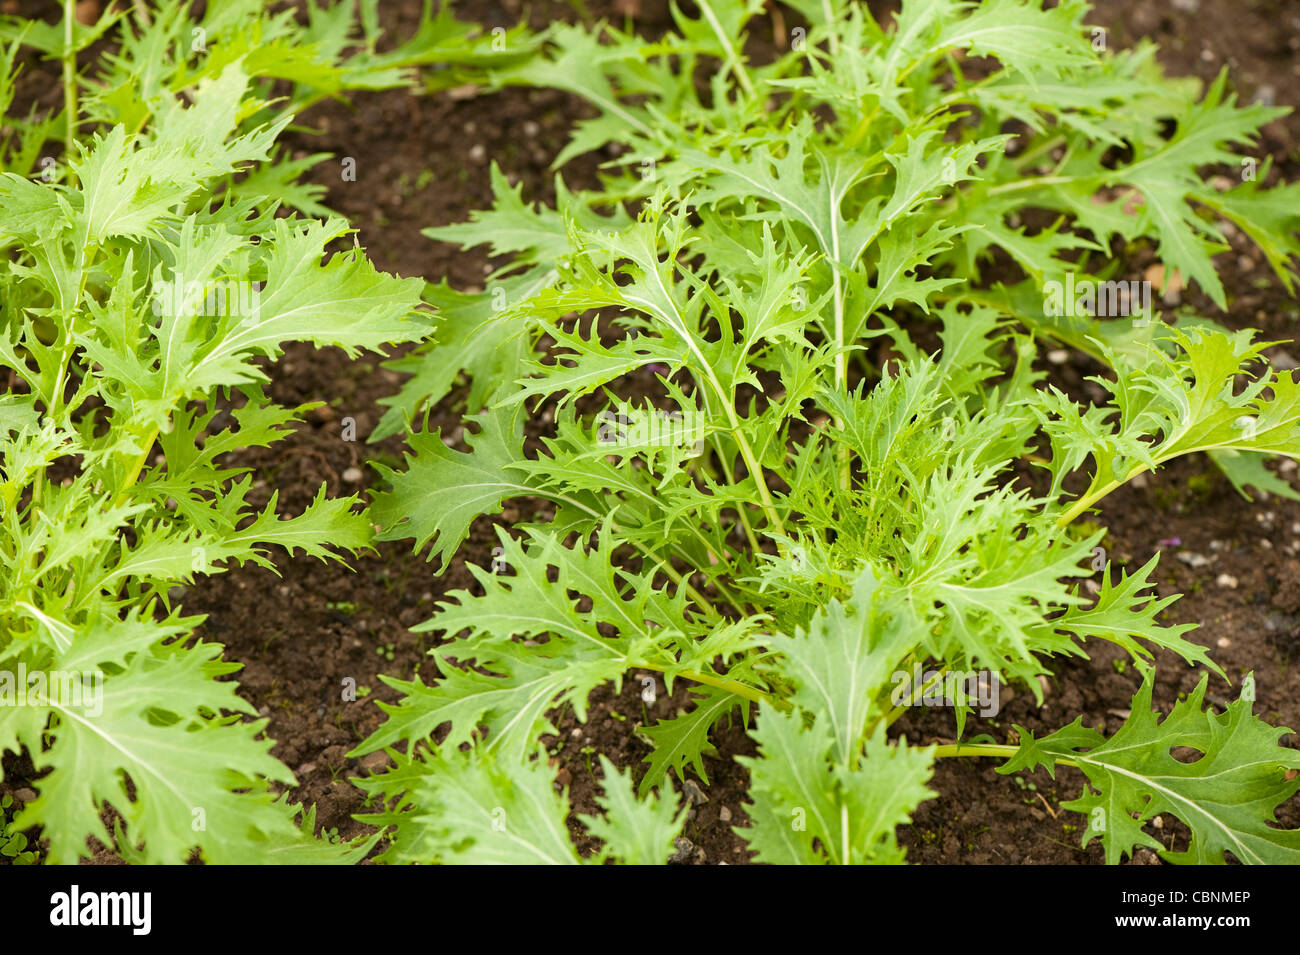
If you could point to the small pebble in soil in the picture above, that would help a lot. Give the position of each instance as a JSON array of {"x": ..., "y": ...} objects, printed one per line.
[
  {"x": 1278, "y": 622},
  {"x": 352, "y": 475},
  {"x": 1193, "y": 559},
  {"x": 25, "y": 795},
  {"x": 1158, "y": 822},
  {"x": 374, "y": 762},
  {"x": 1172, "y": 288},
  {"x": 724, "y": 815},
  {"x": 87, "y": 12},
  {"x": 1223, "y": 643},
  {"x": 1226, "y": 580},
  {"x": 682, "y": 848},
  {"x": 1058, "y": 356},
  {"x": 687, "y": 852},
  {"x": 693, "y": 793}
]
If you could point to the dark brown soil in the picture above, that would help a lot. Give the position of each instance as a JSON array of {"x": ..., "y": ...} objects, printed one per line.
[{"x": 423, "y": 162}]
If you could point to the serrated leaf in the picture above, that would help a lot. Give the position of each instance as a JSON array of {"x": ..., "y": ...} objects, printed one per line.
[
  {"x": 682, "y": 740},
  {"x": 441, "y": 491},
  {"x": 1226, "y": 795},
  {"x": 635, "y": 830}
]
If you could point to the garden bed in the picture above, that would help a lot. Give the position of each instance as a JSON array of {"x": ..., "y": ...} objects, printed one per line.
[{"x": 423, "y": 161}]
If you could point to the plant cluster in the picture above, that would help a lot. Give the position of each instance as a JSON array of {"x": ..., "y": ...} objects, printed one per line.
[
  {"x": 146, "y": 278},
  {"x": 828, "y": 274}
]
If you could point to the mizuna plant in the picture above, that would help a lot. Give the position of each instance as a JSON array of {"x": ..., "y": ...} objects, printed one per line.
[
  {"x": 144, "y": 280},
  {"x": 831, "y": 275}
]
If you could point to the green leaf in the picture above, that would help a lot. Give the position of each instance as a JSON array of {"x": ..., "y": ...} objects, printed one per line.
[
  {"x": 441, "y": 491},
  {"x": 526, "y": 677},
  {"x": 187, "y": 770},
  {"x": 1244, "y": 468},
  {"x": 682, "y": 740},
  {"x": 1123, "y": 617},
  {"x": 848, "y": 655},
  {"x": 1226, "y": 795},
  {"x": 472, "y": 811},
  {"x": 635, "y": 831},
  {"x": 808, "y": 809}
]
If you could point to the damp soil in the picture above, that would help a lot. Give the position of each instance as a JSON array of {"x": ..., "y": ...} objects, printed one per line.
[{"x": 424, "y": 161}]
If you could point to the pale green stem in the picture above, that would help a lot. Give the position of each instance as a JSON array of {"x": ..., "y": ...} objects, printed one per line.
[
  {"x": 1031, "y": 183},
  {"x": 994, "y": 750},
  {"x": 829, "y": 13},
  {"x": 1088, "y": 500},
  {"x": 733, "y": 57},
  {"x": 722, "y": 683},
  {"x": 69, "y": 80},
  {"x": 841, "y": 370},
  {"x": 134, "y": 474},
  {"x": 760, "y": 482}
]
